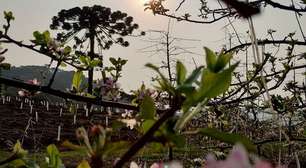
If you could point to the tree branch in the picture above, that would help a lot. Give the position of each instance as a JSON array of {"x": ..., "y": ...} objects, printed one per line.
[
  {"x": 264, "y": 42},
  {"x": 66, "y": 95}
]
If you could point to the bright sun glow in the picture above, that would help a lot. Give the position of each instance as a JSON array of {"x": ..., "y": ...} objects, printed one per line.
[{"x": 145, "y": 1}]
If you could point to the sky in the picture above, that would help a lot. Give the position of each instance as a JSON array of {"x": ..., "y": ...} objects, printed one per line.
[{"x": 32, "y": 15}]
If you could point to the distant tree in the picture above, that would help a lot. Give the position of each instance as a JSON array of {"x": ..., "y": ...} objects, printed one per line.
[
  {"x": 89, "y": 25},
  {"x": 167, "y": 45}
]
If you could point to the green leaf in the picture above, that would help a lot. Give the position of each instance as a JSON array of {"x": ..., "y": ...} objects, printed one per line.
[
  {"x": 147, "y": 108},
  {"x": 70, "y": 145},
  {"x": 113, "y": 61},
  {"x": 123, "y": 62},
  {"x": 84, "y": 164},
  {"x": 193, "y": 76},
  {"x": 19, "y": 151},
  {"x": 211, "y": 59},
  {"x": 36, "y": 34},
  {"x": 214, "y": 84},
  {"x": 54, "y": 157},
  {"x": 83, "y": 59},
  {"x": 188, "y": 115},
  {"x": 230, "y": 138},
  {"x": 180, "y": 72},
  {"x": 146, "y": 125},
  {"x": 63, "y": 64},
  {"x": 186, "y": 88},
  {"x": 117, "y": 125},
  {"x": 115, "y": 147},
  {"x": 17, "y": 163},
  {"x": 178, "y": 140},
  {"x": 191, "y": 100},
  {"x": 39, "y": 39},
  {"x": 67, "y": 50},
  {"x": 77, "y": 79},
  {"x": 222, "y": 61},
  {"x": 46, "y": 37},
  {"x": 95, "y": 63},
  {"x": 164, "y": 82}
]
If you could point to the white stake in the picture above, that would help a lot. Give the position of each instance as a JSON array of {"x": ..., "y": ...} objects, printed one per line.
[
  {"x": 21, "y": 105},
  {"x": 109, "y": 111},
  {"x": 59, "y": 133},
  {"x": 106, "y": 121},
  {"x": 61, "y": 111},
  {"x": 36, "y": 116},
  {"x": 86, "y": 110},
  {"x": 47, "y": 106},
  {"x": 74, "y": 119},
  {"x": 91, "y": 108},
  {"x": 31, "y": 109}
]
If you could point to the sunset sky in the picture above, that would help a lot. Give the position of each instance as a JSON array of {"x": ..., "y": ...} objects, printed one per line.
[{"x": 34, "y": 15}]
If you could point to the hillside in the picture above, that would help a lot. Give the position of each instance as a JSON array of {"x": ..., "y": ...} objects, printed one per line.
[{"x": 42, "y": 73}]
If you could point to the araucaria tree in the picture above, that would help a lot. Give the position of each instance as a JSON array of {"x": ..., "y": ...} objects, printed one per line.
[{"x": 91, "y": 25}]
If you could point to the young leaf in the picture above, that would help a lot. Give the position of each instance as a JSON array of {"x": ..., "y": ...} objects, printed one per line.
[
  {"x": 113, "y": 61},
  {"x": 211, "y": 59},
  {"x": 63, "y": 64},
  {"x": 70, "y": 145},
  {"x": 39, "y": 39},
  {"x": 194, "y": 75},
  {"x": 95, "y": 63},
  {"x": 155, "y": 68},
  {"x": 77, "y": 79},
  {"x": 180, "y": 73},
  {"x": 54, "y": 157},
  {"x": 188, "y": 115},
  {"x": 83, "y": 59},
  {"x": 67, "y": 50},
  {"x": 230, "y": 138},
  {"x": 115, "y": 147},
  {"x": 178, "y": 140},
  {"x": 214, "y": 84},
  {"x": 19, "y": 151},
  {"x": 84, "y": 164},
  {"x": 46, "y": 37},
  {"x": 123, "y": 62},
  {"x": 165, "y": 84},
  {"x": 222, "y": 61},
  {"x": 185, "y": 88},
  {"x": 147, "y": 108},
  {"x": 146, "y": 125}
]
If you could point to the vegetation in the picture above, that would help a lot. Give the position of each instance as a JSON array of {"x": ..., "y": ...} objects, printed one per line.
[{"x": 212, "y": 108}]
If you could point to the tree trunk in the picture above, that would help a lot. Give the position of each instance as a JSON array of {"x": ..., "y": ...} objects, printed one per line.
[{"x": 91, "y": 55}]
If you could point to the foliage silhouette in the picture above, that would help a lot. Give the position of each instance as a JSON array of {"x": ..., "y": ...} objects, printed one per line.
[{"x": 94, "y": 24}]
